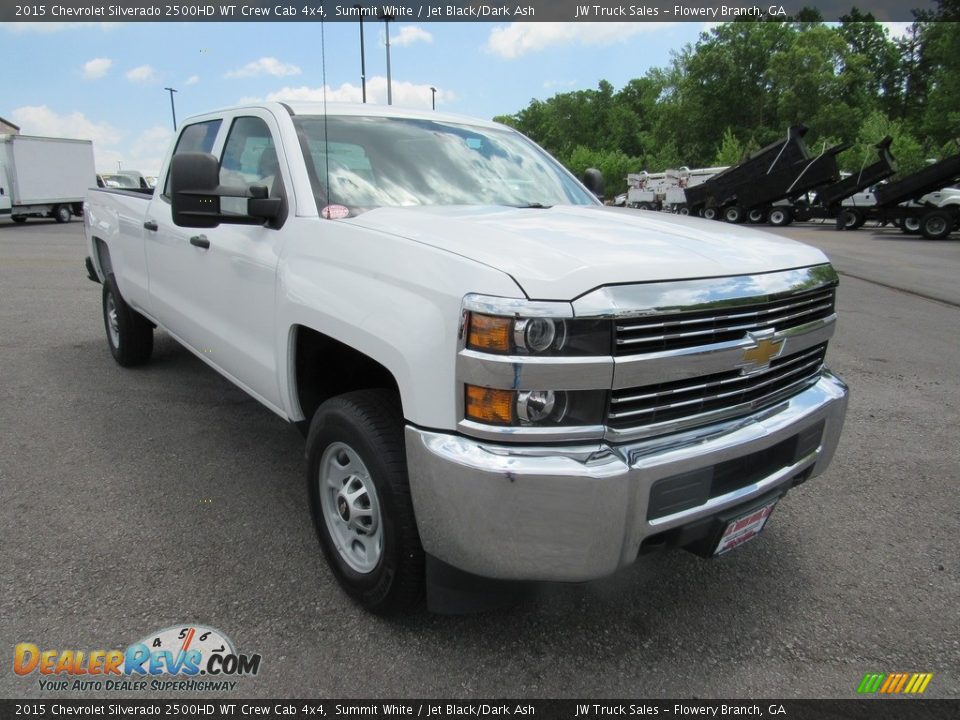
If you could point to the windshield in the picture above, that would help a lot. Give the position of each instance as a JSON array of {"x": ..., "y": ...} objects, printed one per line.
[{"x": 372, "y": 162}]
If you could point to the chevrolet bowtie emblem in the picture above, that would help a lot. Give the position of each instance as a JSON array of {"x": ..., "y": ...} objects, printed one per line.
[{"x": 764, "y": 349}]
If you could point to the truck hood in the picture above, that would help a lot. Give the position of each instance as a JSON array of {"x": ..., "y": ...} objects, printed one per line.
[{"x": 563, "y": 252}]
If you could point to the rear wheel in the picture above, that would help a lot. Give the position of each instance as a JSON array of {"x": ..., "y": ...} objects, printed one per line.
[
  {"x": 360, "y": 500},
  {"x": 936, "y": 225},
  {"x": 757, "y": 216},
  {"x": 684, "y": 210},
  {"x": 710, "y": 213},
  {"x": 851, "y": 219},
  {"x": 780, "y": 217},
  {"x": 129, "y": 334},
  {"x": 62, "y": 213},
  {"x": 19, "y": 218}
]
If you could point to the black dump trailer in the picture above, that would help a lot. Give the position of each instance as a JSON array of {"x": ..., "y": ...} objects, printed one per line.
[
  {"x": 828, "y": 203},
  {"x": 781, "y": 171},
  {"x": 710, "y": 197},
  {"x": 900, "y": 202}
]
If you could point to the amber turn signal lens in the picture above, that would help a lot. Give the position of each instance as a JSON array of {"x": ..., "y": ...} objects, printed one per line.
[
  {"x": 488, "y": 332},
  {"x": 489, "y": 406}
]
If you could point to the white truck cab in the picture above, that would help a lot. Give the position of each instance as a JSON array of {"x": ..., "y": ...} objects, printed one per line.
[{"x": 499, "y": 379}]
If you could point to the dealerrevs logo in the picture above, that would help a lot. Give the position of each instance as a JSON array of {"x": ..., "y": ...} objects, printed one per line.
[{"x": 171, "y": 659}]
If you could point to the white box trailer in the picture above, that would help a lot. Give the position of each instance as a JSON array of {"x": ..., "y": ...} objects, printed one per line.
[{"x": 44, "y": 177}]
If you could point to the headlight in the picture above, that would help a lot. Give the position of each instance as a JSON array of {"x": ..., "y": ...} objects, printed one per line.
[
  {"x": 541, "y": 408},
  {"x": 538, "y": 335}
]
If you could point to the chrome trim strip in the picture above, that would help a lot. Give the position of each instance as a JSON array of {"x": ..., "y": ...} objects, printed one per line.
[
  {"x": 516, "y": 307},
  {"x": 734, "y": 316},
  {"x": 668, "y": 427},
  {"x": 726, "y": 381},
  {"x": 642, "y": 300},
  {"x": 731, "y": 328},
  {"x": 516, "y": 372},
  {"x": 522, "y": 433},
  {"x": 671, "y": 365}
]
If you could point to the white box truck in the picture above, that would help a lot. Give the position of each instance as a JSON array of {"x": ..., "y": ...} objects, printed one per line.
[{"x": 44, "y": 177}]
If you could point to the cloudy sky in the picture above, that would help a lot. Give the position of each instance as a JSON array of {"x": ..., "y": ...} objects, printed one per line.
[{"x": 106, "y": 81}]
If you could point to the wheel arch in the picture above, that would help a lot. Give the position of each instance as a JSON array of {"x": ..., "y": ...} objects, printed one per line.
[{"x": 321, "y": 367}]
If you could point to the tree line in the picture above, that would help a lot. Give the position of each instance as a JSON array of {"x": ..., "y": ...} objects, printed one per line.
[{"x": 742, "y": 84}]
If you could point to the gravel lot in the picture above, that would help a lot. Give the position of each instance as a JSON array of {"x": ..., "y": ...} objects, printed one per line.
[{"x": 132, "y": 500}]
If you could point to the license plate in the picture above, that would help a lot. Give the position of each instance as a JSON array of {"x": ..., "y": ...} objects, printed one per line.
[{"x": 744, "y": 528}]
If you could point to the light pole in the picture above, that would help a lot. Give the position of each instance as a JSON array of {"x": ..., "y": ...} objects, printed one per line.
[
  {"x": 433, "y": 97},
  {"x": 386, "y": 22},
  {"x": 363, "y": 62},
  {"x": 173, "y": 110}
]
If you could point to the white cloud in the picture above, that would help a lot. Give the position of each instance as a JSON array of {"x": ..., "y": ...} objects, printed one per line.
[
  {"x": 264, "y": 66},
  {"x": 148, "y": 150},
  {"x": 519, "y": 38},
  {"x": 405, "y": 94},
  {"x": 142, "y": 74},
  {"x": 410, "y": 34},
  {"x": 96, "y": 68},
  {"x": 192, "y": 80},
  {"x": 41, "y": 120}
]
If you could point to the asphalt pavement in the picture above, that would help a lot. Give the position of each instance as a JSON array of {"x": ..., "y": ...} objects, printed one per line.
[{"x": 135, "y": 500}]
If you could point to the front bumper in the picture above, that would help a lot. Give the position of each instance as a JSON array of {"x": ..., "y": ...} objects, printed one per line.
[{"x": 576, "y": 513}]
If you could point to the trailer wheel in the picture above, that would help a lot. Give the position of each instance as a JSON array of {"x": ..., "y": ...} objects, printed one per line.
[
  {"x": 757, "y": 216},
  {"x": 710, "y": 213},
  {"x": 62, "y": 213},
  {"x": 19, "y": 218},
  {"x": 780, "y": 217},
  {"x": 910, "y": 225},
  {"x": 936, "y": 225},
  {"x": 852, "y": 219},
  {"x": 734, "y": 214}
]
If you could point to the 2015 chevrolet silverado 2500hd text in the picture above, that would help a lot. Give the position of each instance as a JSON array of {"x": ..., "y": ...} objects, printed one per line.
[{"x": 498, "y": 378}]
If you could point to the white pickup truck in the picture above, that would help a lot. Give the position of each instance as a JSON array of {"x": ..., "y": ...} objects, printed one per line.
[{"x": 498, "y": 378}]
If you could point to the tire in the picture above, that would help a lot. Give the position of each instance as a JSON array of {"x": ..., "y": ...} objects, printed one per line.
[
  {"x": 936, "y": 225},
  {"x": 710, "y": 213},
  {"x": 62, "y": 214},
  {"x": 734, "y": 214},
  {"x": 757, "y": 216},
  {"x": 780, "y": 217},
  {"x": 910, "y": 225},
  {"x": 360, "y": 501},
  {"x": 645, "y": 206},
  {"x": 129, "y": 334},
  {"x": 851, "y": 219},
  {"x": 684, "y": 210},
  {"x": 19, "y": 218}
]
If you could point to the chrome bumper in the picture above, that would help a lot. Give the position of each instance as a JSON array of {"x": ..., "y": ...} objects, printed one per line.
[{"x": 580, "y": 512}]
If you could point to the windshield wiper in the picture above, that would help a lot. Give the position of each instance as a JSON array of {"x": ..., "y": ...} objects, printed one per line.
[{"x": 534, "y": 205}]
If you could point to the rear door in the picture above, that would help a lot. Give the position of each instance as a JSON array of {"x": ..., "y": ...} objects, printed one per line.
[{"x": 5, "y": 195}]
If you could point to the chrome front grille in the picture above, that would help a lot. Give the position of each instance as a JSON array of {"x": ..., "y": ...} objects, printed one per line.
[
  {"x": 657, "y": 332},
  {"x": 725, "y": 394}
]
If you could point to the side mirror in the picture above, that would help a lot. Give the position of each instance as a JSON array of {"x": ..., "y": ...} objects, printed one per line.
[
  {"x": 593, "y": 179},
  {"x": 195, "y": 195}
]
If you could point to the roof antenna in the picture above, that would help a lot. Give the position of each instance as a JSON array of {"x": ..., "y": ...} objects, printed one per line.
[{"x": 325, "y": 212}]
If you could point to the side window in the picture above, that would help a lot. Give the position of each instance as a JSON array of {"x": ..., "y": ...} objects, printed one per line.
[
  {"x": 198, "y": 137},
  {"x": 250, "y": 156}
]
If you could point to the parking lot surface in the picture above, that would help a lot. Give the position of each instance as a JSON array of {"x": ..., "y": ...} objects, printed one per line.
[{"x": 133, "y": 500}]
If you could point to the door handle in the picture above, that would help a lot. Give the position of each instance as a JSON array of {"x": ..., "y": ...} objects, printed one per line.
[
  {"x": 200, "y": 241},
  {"x": 151, "y": 225}
]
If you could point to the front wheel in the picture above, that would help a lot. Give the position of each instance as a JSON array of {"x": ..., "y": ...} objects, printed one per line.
[
  {"x": 910, "y": 225},
  {"x": 360, "y": 500}
]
